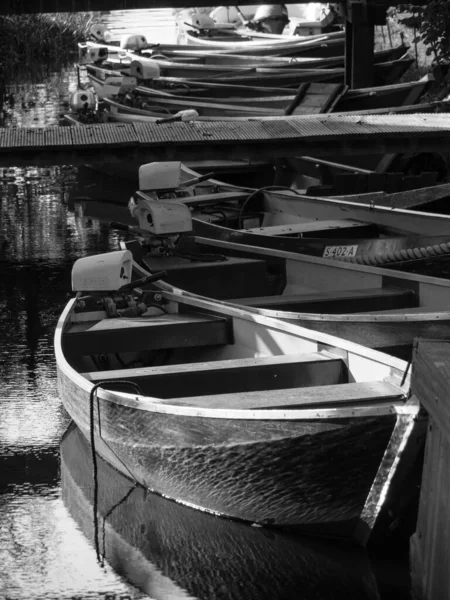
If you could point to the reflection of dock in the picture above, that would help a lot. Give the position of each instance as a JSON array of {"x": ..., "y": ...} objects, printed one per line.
[
  {"x": 430, "y": 545},
  {"x": 171, "y": 551},
  {"x": 259, "y": 139}
]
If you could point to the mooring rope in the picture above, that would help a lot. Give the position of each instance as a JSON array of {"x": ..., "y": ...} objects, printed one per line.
[
  {"x": 399, "y": 255},
  {"x": 92, "y": 396},
  {"x": 110, "y": 511}
]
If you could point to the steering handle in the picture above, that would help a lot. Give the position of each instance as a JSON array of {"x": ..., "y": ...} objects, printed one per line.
[{"x": 140, "y": 282}]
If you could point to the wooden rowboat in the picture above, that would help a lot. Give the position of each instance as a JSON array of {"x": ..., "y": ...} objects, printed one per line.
[
  {"x": 107, "y": 83},
  {"x": 235, "y": 413},
  {"x": 378, "y": 308},
  {"x": 326, "y": 45},
  {"x": 174, "y": 555},
  {"x": 266, "y": 218},
  {"x": 330, "y": 44},
  {"x": 278, "y": 75},
  {"x": 246, "y": 60}
]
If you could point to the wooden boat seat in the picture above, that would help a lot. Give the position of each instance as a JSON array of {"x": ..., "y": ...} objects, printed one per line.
[
  {"x": 310, "y": 227},
  {"x": 337, "y": 301},
  {"x": 334, "y": 396},
  {"x": 232, "y": 376},
  {"x": 217, "y": 279},
  {"x": 140, "y": 334}
]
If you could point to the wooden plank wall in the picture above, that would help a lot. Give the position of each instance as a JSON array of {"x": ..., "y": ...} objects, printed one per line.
[{"x": 430, "y": 545}]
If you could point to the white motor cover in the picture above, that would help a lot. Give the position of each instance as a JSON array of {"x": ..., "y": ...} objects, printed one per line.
[
  {"x": 271, "y": 11},
  {"x": 103, "y": 272},
  {"x": 187, "y": 115},
  {"x": 144, "y": 68},
  {"x": 161, "y": 217},
  {"x": 100, "y": 32},
  {"x": 230, "y": 14},
  {"x": 128, "y": 84},
  {"x": 201, "y": 21},
  {"x": 160, "y": 176},
  {"x": 82, "y": 100},
  {"x": 88, "y": 54},
  {"x": 134, "y": 42},
  {"x": 111, "y": 86}
]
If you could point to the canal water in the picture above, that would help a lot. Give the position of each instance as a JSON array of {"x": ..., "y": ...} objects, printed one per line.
[{"x": 142, "y": 546}]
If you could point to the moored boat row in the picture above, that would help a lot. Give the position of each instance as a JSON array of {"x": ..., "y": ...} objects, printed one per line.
[{"x": 245, "y": 351}]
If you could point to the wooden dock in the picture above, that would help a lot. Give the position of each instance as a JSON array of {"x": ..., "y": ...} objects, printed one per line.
[
  {"x": 258, "y": 139},
  {"x": 430, "y": 545}
]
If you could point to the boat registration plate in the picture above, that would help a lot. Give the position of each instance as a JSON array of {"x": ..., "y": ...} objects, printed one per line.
[{"x": 339, "y": 251}]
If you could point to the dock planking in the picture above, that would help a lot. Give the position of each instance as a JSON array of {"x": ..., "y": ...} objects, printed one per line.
[{"x": 269, "y": 138}]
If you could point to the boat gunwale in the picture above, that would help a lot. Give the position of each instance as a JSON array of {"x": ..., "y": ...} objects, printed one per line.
[{"x": 339, "y": 264}]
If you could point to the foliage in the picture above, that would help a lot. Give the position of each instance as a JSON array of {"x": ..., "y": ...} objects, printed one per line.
[
  {"x": 31, "y": 38},
  {"x": 432, "y": 23}
]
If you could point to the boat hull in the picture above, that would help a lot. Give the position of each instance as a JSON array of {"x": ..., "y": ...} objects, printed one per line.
[
  {"x": 312, "y": 476},
  {"x": 375, "y": 251}
]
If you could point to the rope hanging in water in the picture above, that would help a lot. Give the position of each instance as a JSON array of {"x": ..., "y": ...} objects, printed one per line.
[{"x": 92, "y": 395}]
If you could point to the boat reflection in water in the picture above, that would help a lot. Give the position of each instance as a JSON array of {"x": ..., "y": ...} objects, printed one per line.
[{"x": 170, "y": 551}]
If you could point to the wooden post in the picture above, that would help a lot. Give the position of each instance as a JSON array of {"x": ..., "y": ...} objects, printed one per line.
[
  {"x": 361, "y": 17},
  {"x": 359, "y": 45},
  {"x": 430, "y": 545}
]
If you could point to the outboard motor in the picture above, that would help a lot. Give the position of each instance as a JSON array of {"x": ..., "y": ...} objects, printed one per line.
[
  {"x": 160, "y": 222},
  {"x": 144, "y": 68},
  {"x": 103, "y": 272},
  {"x": 133, "y": 42},
  {"x": 104, "y": 283},
  {"x": 200, "y": 21},
  {"x": 160, "y": 176},
  {"x": 129, "y": 84},
  {"x": 92, "y": 53},
  {"x": 100, "y": 33},
  {"x": 271, "y": 18},
  {"x": 83, "y": 101}
]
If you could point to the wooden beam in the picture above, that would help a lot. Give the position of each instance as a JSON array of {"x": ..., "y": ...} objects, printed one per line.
[
  {"x": 359, "y": 45},
  {"x": 50, "y": 6}
]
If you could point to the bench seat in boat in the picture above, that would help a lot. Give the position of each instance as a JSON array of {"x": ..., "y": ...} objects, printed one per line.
[
  {"x": 373, "y": 392},
  {"x": 337, "y": 301},
  {"x": 309, "y": 227},
  {"x": 140, "y": 334},
  {"x": 232, "y": 376},
  {"x": 219, "y": 279}
]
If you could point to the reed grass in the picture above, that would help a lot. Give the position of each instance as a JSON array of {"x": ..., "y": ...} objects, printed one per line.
[{"x": 41, "y": 37}]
